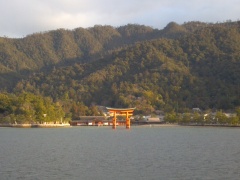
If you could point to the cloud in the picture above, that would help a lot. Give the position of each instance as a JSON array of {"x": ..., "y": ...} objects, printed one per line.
[{"x": 22, "y": 17}]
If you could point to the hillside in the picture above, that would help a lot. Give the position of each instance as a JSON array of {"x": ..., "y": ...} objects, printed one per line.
[
  {"x": 19, "y": 57},
  {"x": 177, "y": 68}
]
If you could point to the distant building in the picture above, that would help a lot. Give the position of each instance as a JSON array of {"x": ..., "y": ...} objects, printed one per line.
[
  {"x": 153, "y": 119},
  {"x": 196, "y": 109},
  {"x": 89, "y": 121},
  {"x": 228, "y": 115},
  {"x": 159, "y": 118}
]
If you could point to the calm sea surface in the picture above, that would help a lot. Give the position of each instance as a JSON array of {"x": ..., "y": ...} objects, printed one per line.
[{"x": 100, "y": 153}]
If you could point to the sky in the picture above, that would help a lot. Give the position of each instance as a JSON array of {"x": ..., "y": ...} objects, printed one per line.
[{"x": 20, "y": 18}]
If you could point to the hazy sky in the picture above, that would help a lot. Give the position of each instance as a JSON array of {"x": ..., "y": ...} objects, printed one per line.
[{"x": 22, "y": 17}]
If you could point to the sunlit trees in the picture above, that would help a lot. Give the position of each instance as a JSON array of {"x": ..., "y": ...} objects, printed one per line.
[
  {"x": 171, "y": 117},
  {"x": 186, "y": 118},
  {"x": 29, "y": 108},
  {"x": 221, "y": 117}
]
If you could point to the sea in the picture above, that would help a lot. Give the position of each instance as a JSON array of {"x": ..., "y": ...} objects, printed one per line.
[{"x": 102, "y": 153}]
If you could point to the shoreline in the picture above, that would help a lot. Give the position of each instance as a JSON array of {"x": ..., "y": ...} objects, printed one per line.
[
  {"x": 157, "y": 125},
  {"x": 211, "y": 125},
  {"x": 35, "y": 125},
  {"x": 134, "y": 125}
]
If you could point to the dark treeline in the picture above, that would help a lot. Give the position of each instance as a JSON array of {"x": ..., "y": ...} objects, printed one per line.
[
  {"x": 174, "y": 69},
  {"x": 207, "y": 118}
]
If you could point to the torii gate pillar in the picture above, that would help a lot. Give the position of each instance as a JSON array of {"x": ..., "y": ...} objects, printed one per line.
[{"x": 121, "y": 111}]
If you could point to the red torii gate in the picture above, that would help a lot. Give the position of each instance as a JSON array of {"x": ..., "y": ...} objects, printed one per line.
[{"x": 121, "y": 111}]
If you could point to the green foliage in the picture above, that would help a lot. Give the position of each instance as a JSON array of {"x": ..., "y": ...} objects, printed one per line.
[
  {"x": 5, "y": 104},
  {"x": 174, "y": 69},
  {"x": 238, "y": 111},
  {"x": 29, "y": 108},
  {"x": 234, "y": 120},
  {"x": 186, "y": 118},
  {"x": 197, "y": 118},
  {"x": 171, "y": 117},
  {"x": 221, "y": 117}
]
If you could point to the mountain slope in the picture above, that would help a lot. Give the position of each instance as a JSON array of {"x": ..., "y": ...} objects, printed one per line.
[{"x": 177, "y": 68}]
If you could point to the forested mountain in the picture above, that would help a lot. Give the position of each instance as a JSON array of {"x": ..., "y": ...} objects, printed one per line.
[
  {"x": 180, "y": 67},
  {"x": 18, "y": 57}
]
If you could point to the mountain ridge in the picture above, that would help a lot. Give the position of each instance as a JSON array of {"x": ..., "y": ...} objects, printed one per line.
[{"x": 180, "y": 67}]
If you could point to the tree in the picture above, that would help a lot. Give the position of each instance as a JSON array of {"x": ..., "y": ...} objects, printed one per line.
[
  {"x": 197, "y": 118},
  {"x": 171, "y": 117},
  {"x": 5, "y": 104},
  {"x": 221, "y": 117},
  {"x": 234, "y": 120},
  {"x": 40, "y": 109},
  {"x": 238, "y": 111},
  {"x": 186, "y": 118}
]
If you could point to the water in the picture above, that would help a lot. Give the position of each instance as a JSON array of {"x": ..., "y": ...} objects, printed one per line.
[{"x": 100, "y": 153}]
